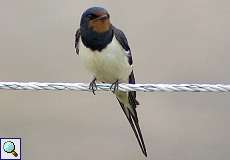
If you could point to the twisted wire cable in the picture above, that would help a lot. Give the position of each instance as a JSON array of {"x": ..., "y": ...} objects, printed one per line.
[{"x": 122, "y": 87}]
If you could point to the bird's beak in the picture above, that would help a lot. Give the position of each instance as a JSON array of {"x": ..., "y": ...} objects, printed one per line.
[{"x": 103, "y": 17}]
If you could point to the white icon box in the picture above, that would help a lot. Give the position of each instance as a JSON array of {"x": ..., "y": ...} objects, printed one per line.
[{"x": 10, "y": 149}]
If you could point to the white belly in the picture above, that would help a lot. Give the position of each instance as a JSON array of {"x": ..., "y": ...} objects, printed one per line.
[{"x": 109, "y": 65}]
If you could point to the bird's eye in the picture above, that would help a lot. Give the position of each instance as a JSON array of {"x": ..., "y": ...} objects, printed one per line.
[{"x": 91, "y": 16}]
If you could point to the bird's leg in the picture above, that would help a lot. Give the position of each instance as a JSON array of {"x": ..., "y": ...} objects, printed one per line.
[
  {"x": 93, "y": 86},
  {"x": 114, "y": 87}
]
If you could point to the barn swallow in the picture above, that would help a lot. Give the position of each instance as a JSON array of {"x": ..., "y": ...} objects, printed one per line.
[{"x": 105, "y": 52}]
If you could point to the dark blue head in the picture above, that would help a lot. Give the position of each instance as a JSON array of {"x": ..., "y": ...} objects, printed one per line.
[
  {"x": 96, "y": 29},
  {"x": 96, "y": 19}
]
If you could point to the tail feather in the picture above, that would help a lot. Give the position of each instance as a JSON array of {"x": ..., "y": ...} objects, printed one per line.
[
  {"x": 133, "y": 120},
  {"x": 132, "y": 98}
]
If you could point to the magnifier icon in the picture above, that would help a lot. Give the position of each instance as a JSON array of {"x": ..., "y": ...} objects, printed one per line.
[{"x": 9, "y": 147}]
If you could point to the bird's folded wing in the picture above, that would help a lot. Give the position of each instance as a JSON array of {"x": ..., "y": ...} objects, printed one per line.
[{"x": 77, "y": 38}]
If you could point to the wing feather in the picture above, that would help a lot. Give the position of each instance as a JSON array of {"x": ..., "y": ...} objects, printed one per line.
[
  {"x": 77, "y": 38},
  {"x": 120, "y": 36},
  {"x": 130, "y": 113}
]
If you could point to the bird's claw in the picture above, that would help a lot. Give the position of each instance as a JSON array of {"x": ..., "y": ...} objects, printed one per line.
[
  {"x": 93, "y": 86},
  {"x": 114, "y": 87}
]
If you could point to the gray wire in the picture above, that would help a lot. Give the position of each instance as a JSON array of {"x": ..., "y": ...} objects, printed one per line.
[{"x": 122, "y": 87}]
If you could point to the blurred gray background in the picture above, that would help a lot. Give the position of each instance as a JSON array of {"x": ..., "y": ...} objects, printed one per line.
[{"x": 172, "y": 42}]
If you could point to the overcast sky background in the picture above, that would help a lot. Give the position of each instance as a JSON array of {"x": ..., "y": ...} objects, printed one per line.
[{"x": 172, "y": 42}]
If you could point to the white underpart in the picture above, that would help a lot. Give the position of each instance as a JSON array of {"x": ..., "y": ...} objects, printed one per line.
[{"x": 109, "y": 65}]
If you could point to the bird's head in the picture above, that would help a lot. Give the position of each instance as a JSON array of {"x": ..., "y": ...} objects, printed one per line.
[{"x": 96, "y": 19}]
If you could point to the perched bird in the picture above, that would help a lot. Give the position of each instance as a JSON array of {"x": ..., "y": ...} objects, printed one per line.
[{"x": 105, "y": 52}]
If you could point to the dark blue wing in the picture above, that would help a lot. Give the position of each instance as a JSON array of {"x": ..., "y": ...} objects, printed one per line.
[
  {"x": 131, "y": 116},
  {"x": 120, "y": 36},
  {"x": 77, "y": 38}
]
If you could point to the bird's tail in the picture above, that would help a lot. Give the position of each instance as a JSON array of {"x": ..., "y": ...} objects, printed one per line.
[{"x": 131, "y": 115}]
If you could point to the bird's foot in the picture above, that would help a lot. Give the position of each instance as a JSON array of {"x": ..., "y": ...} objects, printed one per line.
[
  {"x": 114, "y": 87},
  {"x": 93, "y": 86}
]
